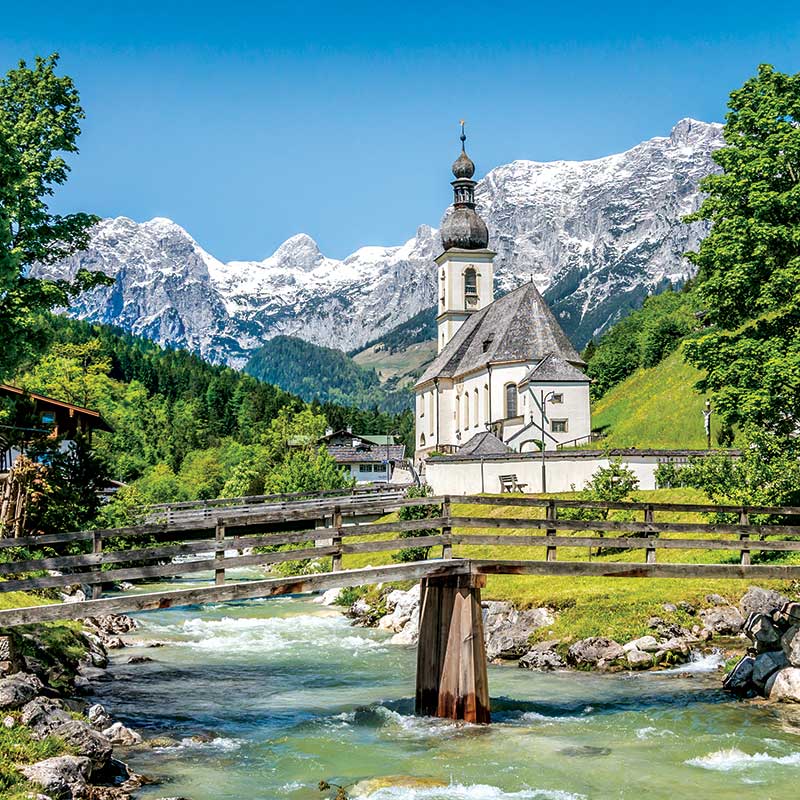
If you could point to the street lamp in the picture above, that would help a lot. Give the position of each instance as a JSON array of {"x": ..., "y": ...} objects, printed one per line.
[{"x": 544, "y": 399}]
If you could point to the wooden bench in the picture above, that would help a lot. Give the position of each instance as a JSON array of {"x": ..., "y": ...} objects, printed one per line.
[{"x": 509, "y": 483}]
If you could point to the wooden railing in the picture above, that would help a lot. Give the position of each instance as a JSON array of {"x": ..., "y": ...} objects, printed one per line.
[{"x": 217, "y": 543}]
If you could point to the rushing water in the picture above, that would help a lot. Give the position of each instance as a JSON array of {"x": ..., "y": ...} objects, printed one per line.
[{"x": 294, "y": 696}]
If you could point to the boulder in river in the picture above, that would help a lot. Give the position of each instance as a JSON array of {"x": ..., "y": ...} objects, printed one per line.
[
  {"x": 18, "y": 689},
  {"x": 119, "y": 734},
  {"x": 85, "y": 741},
  {"x": 761, "y": 601},
  {"x": 790, "y": 643},
  {"x": 765, "y": 664},
  {"x": 738, "y": 680},
  {"x": 596, "y": 651},
  {"x": 647, "y": 644},
  {"x": 723, "y": 620},
  {"x": 43, "y": 715},
  {"x": 638, "y": 659},
  {"x": 507, "y": 631},
  {"x": 761, "y": 631},
  {"x": 62, "y": 777},
  {"x": 786, "y": 686},
  {"x": 543, "y": 656}
]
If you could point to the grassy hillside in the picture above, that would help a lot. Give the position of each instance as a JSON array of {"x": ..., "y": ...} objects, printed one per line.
[
  {"x": 655, "y": 407},
  {"x": 402, "y": 366}
]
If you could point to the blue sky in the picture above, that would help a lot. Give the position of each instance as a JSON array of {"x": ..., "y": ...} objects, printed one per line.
[{"x": 249, "y": 122}]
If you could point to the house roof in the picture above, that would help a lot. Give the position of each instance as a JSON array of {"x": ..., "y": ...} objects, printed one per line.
[
  {"x": 94, "y": 418},
  {"x": 483, "y": 444},
  {"x": 365, "y": 454},
  {"x": 516, "y": 327},
  {"x": 554, "y": 369},
  {"x": 383, "y": 439}
]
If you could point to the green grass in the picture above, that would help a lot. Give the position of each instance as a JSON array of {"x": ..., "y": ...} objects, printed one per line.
[
  {"x": 17, "y": 746},
  {"x": 657, "y": 407},
  {"x": 616, "y": 607}
]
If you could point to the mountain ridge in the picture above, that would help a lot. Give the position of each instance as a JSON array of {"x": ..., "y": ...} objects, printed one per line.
[{"x": 596, "y": 236}]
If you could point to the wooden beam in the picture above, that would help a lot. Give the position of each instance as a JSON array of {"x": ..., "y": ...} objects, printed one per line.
[{"x": 176, "y": 598}]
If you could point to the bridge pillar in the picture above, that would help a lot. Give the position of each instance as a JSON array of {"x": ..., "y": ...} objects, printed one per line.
[{"x": 451, "y": 654}]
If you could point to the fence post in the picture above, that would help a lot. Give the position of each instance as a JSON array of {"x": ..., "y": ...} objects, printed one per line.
[
  {"x": 744, "y": 554},
  {"x": 650, "y": 552},
  {"x": 551, "y": 515},
  {"x": 97, "y": 547},
  {"x": 336, "y": 541},
  {"x": 447, "y": 530},
  {"x": 219, "y": 554}
]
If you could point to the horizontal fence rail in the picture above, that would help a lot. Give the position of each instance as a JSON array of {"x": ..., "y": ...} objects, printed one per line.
[{"x": 333, "y": 527}]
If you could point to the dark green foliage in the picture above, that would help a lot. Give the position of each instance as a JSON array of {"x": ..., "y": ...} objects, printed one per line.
[
  {"x": 416, "y": 512},
  {"x": 749, "y": 264},
  {"x": 40, "y": 117},
  {"x": 643, "y": 339},
  {"x": 323, "y": 374}
]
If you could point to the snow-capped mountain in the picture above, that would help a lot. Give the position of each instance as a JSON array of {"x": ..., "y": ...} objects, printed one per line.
[{"x": 596, "y": 236}]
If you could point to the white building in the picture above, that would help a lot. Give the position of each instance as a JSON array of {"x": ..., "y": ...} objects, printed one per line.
[{"x": 503, "y": 365}]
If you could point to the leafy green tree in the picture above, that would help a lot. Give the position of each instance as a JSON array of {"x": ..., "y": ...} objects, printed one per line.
[
  {"x": 416, "y": 512},
  {"x": 40, "y": 117},
  {"x": 749, "y": 264},
  {"x": 307, "y": 470}
]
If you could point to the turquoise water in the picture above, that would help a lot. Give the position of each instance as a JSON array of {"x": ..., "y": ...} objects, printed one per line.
[{"x": 295, "y": 695}]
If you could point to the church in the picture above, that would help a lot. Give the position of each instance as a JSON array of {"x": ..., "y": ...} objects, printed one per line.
[{"x": 506, "y": 377}]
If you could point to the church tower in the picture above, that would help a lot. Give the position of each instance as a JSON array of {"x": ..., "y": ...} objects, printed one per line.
[{"x": 465, "y": 278}]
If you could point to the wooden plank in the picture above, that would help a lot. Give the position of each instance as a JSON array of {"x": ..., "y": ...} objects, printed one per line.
[
  {"x": 608, "y": 569},
  {"x": 627, "y": 542},
  {"x": 632, "y": 527},
  {"x": 394, "y": 544},
  {"x": 106, "y": 557},
  {"x": 270, "y": 587},
  {"x": 706, "y": 508}
]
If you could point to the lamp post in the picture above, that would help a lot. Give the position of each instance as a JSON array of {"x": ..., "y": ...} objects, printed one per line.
[
  {"x": 707, "y": 423},
  {"x": 544, "y": 398}
]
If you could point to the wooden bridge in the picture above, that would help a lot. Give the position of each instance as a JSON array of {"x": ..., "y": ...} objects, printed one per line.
[{"x": 451, "y": 669}]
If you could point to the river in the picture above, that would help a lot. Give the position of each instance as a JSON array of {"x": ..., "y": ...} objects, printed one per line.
[{"x": 294, "y": 695}]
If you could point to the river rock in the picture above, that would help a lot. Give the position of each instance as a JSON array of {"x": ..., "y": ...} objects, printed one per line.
[
  {"x": 786, "y": 686},
  {"x": 119, "y": 734},
  {"x": 596, "y": 651},
  {"x": 666, "y": 630},
  {"x": 791, "y": 613},
  {"x": 638, "y": 659},
  {"x": 85, "y": 741},
  {"x": 765, "y": 665},
  {"x": 506, "y": 631},
  {"x": 761, "y": 601},
  {"x": 646, "y": 644},
  {"x": 759, "y": 629},
  {"x": 98, "y": 717},
  {"x": 790, "y": 643},
  {"x": 739, "y": 678},
  {"x": 716, "y": 599},
  {"x": 329, "y": 597},
  {"x": 43, "y": 715},
  {"x": 722, "y": 620},
  {"x": 542, "y": 656},
  {"x": 62, "y": 777},
  {"x": 403, "y": 606},
  {"x": 17, "y": 690},
  {"x": 410, "y": 633}
]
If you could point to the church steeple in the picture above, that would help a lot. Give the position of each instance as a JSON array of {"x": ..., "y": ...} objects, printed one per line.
[
  {"x": 466, "y": 275},
  {"x": 463, "y": 228}
]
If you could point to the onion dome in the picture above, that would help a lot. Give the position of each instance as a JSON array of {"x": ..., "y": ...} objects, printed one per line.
[{"x": 462, "y": 227}]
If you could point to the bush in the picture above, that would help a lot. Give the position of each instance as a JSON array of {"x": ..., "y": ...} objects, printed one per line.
[{"x": 416, "y": 512}]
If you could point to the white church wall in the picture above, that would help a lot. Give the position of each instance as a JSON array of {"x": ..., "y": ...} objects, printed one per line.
[
  {"x": 574, "y": 410},
  {"x": 563, "y": 472}
]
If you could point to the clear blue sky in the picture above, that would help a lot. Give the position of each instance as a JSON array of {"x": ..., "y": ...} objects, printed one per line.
[{"x": 249, "y": 122}]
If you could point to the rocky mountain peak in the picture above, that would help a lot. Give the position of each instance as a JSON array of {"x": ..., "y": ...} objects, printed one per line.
[{"x": 596, "y": 236}]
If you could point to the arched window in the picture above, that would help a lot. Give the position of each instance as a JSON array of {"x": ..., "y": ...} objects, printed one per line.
[
  {"x": 511, "y": 400},
  {"x": 430, "y": 410},
  {"x": 466, "y": 411},
  {"x": 470, "y": 282},
  {"x": 475, "y": 410},
  {"x": 422, "y": 440},
  {"x": 458, "y": 412}
]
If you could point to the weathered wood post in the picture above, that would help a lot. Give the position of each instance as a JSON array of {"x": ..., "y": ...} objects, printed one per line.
[
  {"x": 744, "y": 554},
  {"x": 650, "y": 552},
  {"x": 219, "y": 554},
  {"x": 97, "y": 548},
  {"x": 550, "y": 515},
  {"x": 447, "y": 530},
  {"x": 451, "y": 654},
  {"x": 336, "y": 541}
]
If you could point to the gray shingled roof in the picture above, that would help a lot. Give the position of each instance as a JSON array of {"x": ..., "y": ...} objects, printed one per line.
[
  {"x": 517, "y": 327},
  {"x": 553, "y": 368},
  {"x": 484, "y": 444}
]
